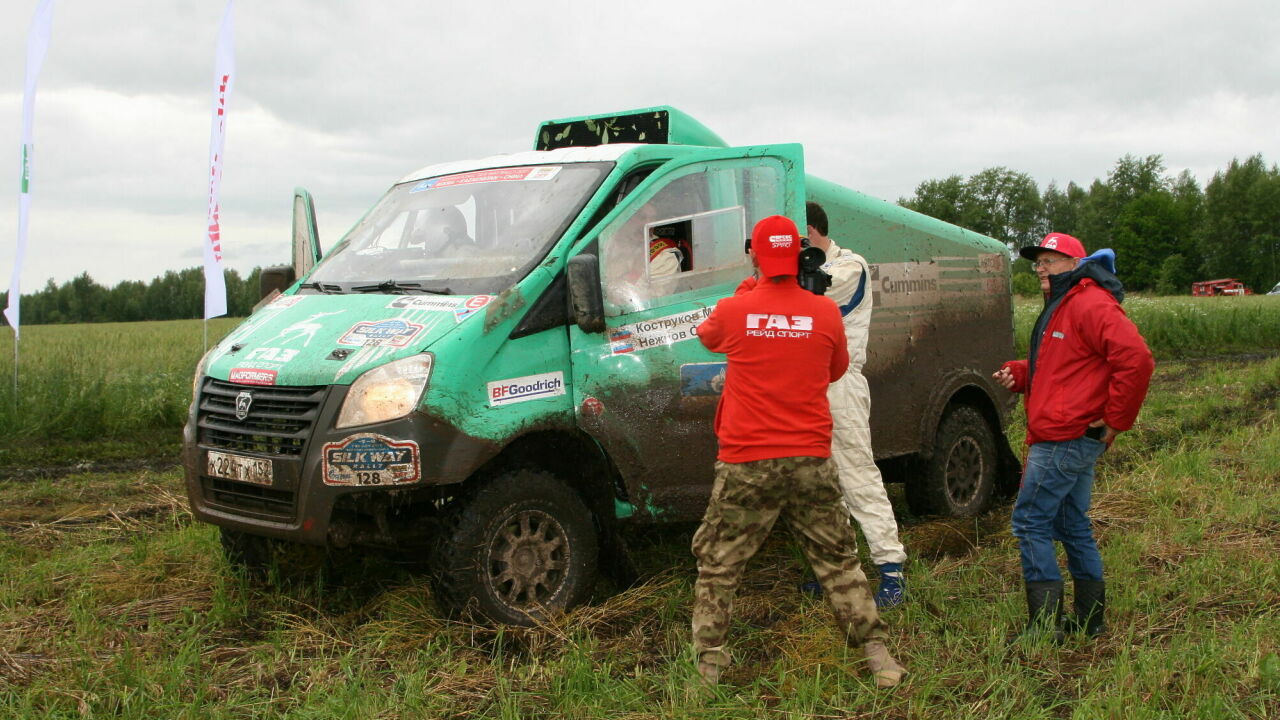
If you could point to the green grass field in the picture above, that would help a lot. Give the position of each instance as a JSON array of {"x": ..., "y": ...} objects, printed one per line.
[{"x": 113, "y": 603}]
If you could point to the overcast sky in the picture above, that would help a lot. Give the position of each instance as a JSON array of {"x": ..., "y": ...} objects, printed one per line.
[{"x": 346, "y": 97}]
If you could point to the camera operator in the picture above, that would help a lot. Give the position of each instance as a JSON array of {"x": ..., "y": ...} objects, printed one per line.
[
  {"x": 784, "y": 346},
  {"x": 850, "y": 398}
]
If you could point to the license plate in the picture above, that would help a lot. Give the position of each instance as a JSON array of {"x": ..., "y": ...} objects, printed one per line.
[{"x": 238, "y": 467}]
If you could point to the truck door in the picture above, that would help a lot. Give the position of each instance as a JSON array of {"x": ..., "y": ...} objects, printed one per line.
[{"x": 645, "y": 388}]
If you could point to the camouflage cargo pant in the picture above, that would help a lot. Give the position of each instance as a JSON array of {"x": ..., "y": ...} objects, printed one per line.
[{"x": 746, "y": 501}]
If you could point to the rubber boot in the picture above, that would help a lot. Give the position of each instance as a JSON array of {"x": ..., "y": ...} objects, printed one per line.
[
  {"x": 886, "y": 671},
  {"x": 1044, "y": 610},
  {"x": 1090, "y": 600},
  {"x": 892, "y": 591}
]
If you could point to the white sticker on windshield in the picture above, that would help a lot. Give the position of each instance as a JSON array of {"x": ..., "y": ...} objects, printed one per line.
[{"x": 536, "y": 172}]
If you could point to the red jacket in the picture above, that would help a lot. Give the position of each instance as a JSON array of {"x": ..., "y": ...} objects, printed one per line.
[
  {"x": 785, "y": 345},
  {"x": 1092, "y": 364}
]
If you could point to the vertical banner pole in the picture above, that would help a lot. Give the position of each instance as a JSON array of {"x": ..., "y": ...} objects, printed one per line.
[
  {"x": 215, "y": 284},
  {"x": 37, "y": 47}
]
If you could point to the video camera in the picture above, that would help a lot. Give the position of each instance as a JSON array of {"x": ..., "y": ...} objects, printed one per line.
[{"x": 810, "y": 276}]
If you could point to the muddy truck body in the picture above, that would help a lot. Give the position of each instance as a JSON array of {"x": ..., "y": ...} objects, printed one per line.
[{"x": 487, "y": 371}]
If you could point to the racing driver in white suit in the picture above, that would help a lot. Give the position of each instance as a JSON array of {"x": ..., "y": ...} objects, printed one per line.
[{"x": 850, "y": 399}]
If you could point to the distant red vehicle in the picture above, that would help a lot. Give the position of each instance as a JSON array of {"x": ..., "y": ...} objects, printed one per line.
[{"x": 1225, "y": 286}]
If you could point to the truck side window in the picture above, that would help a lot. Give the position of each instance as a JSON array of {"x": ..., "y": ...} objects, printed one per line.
[{"x": 686, "y": 234}]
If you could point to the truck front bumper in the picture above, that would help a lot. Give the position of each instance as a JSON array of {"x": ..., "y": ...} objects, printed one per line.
[{"x": 296, "y": 501}]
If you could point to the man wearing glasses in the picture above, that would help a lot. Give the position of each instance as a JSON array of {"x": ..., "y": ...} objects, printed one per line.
[{"x": 1085, "y": 378}]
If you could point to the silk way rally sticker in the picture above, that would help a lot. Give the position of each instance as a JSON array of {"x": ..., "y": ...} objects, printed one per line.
[
  {"x": 384, "y": 333},
  {"x": 369, "y": 459},
  {"x": 657, "y": 332},
  {"x": 461, "y": 307}
]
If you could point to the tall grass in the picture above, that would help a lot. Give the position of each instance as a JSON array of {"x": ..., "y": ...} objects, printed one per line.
[
  {"x": 1185, "y": 327},
  {"x": 110, "y": 380}
]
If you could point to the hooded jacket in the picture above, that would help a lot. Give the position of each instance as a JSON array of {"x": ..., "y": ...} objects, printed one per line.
[{"x": 1087, "y": 360}]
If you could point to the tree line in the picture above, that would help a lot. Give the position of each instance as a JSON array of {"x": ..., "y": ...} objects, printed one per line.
[
  {"x": 175, "y": 295},
  {"x": 1166, "y": 230}
]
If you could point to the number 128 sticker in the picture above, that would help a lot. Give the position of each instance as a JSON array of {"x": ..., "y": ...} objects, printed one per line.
[{"x": 368, "y": 459}]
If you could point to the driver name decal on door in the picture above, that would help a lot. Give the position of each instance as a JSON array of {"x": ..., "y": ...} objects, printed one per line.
[{"x": 657, "y": 332}]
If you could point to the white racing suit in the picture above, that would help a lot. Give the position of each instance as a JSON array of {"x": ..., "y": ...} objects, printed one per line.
[{"x": 850, "y": 400}]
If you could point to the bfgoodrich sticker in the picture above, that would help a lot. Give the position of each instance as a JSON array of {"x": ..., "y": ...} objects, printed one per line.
[
  {"x": 369, "y": 459},
  {"x": 529, "y": 387}
]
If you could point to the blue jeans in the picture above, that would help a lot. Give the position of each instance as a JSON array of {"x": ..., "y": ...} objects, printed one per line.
[{"x": 1053, "y": 504}]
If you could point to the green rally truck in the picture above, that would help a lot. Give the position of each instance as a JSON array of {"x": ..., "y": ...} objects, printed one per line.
[{"x": 487, "y": 370}]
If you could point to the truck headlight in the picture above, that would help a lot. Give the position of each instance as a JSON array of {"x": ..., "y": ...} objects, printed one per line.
[{"x": 387, "y": 392}]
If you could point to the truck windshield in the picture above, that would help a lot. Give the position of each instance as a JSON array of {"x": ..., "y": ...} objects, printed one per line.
[{"x": 468, "y": 233}]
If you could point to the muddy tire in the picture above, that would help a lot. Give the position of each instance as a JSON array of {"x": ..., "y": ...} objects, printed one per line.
[
  {"x": 517, "y": 549},
  {"x": 957, "y": 480}
]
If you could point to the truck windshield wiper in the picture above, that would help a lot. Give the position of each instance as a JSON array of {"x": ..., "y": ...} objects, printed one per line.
[
  {"x": 395, "y": 286},
  {"x": 321, "y": 287}
]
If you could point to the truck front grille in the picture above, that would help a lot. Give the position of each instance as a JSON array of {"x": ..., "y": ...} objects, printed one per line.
[
  {"x": 278, "y": 422},
  {"x": 250, "y": 500}
]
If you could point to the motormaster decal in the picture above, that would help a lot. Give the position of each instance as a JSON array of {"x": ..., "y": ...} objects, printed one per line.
[
  {"x": 252, "y": 376},
  {"x": 384, "y": 333},
  {"x": 461, "y": 307},
  {"x": 541, "y": 172},
  {"x": 529, "y": 387},
  {"x": 657, "y": 332},
  {"x": 702, "y": 379},
  {"x": 369, "y": 459}
]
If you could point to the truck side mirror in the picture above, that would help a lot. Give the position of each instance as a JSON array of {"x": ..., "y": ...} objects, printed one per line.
[
  {"x": 586, "y": 302},
  {"x": 275, "y": 279}
]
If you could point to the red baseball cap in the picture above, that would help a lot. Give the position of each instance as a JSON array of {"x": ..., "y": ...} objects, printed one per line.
[
  {"x": 1058, "y": 242},
  {"x": 776, "y": 243}
]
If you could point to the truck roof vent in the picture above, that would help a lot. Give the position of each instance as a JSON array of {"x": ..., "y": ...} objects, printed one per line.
[{"x": 662, "y": 125}]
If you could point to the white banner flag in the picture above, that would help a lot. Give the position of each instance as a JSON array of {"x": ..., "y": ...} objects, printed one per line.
[
  {"x": 37, "y": 45},
  {"x": 215, "y": 286}
]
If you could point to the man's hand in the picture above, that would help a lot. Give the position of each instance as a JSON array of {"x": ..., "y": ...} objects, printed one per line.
[
  {"x": 1004, "y": 377},
  {"x": 1107, "y": 435}
]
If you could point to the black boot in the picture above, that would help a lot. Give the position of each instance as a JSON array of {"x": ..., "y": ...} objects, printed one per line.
[
  {"x": 1090, "y": 600},
  {"x": 1044, "y": 610}
]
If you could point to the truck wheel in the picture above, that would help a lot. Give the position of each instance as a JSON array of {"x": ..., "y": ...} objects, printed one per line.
[
  {"x": 957, "y": 480},
  {"x": 518, "y": 549}
]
